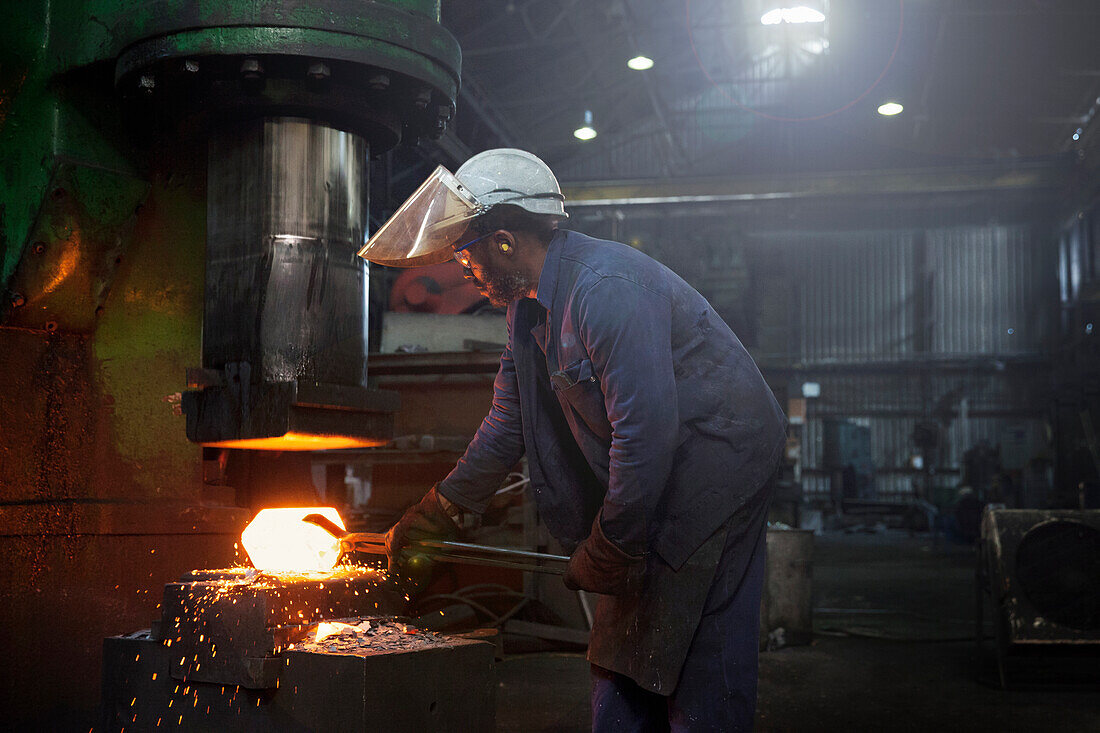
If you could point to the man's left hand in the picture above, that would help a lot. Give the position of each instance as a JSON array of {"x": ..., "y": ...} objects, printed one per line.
[
  {"x": 427, "y": 520},
  {"x": 600, "y": 566}
]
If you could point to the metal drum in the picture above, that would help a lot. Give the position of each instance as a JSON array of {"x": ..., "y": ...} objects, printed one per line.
[{"x": 788, "y": 583}]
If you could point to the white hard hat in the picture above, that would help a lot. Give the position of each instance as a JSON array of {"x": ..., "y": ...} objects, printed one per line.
[
  {"x": 511, "y": 176},
  {"x": 423, "y": 229}
]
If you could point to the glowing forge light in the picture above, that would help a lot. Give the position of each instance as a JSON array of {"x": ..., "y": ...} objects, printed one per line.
[
  {"x": 278, "y": 541},
  {"x": 297, "y": 442}
]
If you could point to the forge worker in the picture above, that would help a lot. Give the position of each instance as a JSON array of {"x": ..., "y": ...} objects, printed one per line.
[{"x": 651, "y": 438}]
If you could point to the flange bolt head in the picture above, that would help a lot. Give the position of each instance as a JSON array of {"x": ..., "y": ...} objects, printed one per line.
[{"x": 252, "y": 68}]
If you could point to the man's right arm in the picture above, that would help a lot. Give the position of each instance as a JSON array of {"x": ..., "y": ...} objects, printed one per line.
[{"x": 497, "y": 446}]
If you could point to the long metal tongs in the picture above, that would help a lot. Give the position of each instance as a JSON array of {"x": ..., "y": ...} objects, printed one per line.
[{"x": 457, "y": 552}]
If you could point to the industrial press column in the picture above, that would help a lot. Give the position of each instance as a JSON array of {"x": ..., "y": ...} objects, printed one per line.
[
  {"x": 286, "y": 214},
  {"x": 286, "y": 295},
  {"x": 110, "y": 275}
]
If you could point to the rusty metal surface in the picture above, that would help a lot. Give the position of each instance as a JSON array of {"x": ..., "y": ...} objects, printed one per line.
[
  {"x": 101, "y": 495},
  {"x": 90, "y": 399},
  {"x": 119, "y": 517},
  {"x": 74, "y": 247},
  {"x": 435, "y": 683}
]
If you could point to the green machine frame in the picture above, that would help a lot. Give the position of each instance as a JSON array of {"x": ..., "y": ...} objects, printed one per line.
[{"x": 105, "y": 108}]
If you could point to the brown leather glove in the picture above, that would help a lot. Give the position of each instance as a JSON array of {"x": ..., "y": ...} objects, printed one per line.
[
  {"x": 600, "y": 566},
  {"x": 428, "y": 520}
]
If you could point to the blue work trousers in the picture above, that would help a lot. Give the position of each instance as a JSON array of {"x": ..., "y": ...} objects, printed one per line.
[{"x": 717, "y": 687}]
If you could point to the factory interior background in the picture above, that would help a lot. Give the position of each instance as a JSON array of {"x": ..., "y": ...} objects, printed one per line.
[{"x": 894, "y": 204}]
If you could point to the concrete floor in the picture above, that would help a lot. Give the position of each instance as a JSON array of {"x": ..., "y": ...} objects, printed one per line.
[{"x": 894, "y": 652}]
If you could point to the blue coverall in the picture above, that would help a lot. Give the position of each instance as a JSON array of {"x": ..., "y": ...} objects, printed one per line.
[{"x": 628, "y": 393}]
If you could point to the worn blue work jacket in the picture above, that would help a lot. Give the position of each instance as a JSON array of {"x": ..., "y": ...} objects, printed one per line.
[{"x": 627, "y": 393}]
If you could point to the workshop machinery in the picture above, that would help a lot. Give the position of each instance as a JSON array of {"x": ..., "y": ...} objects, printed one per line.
[
  {"x": 1039, "y": 570},
  {"x": 310, "y": 637},
  {"x": 183, "y": 186},
  {"x": 239, "y": 649}
]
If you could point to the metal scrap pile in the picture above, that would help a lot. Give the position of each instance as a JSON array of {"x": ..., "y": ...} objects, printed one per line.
[{"x": 367, "y": 635}]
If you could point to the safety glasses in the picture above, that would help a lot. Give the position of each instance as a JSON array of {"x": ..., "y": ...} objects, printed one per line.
[{"x": 461, "y": 256}]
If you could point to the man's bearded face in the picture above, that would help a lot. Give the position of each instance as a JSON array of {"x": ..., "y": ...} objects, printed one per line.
[{"x": 498, "y": 281}]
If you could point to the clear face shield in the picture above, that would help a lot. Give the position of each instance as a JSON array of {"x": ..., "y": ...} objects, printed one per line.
[{"x": 423, "y": 229}]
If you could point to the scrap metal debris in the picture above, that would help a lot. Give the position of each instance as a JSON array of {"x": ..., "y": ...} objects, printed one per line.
[{"x": 366, "y": 635}]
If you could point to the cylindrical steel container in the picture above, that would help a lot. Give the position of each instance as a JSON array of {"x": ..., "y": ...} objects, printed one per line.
[{"x": 788, "y": 582}]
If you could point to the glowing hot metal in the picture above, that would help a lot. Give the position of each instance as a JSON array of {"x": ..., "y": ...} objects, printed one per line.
[{"x": 278, "y": 541}]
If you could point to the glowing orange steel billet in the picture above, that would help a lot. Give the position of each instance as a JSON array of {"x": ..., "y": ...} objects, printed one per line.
[{"x": 278, "y": 541}]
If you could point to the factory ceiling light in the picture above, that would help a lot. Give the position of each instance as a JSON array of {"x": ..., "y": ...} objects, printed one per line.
[
  {"x": 889, "y": 109},
  {"x": 797, "y": 14},
  {"x": 585, "y": 131},
  {"x": 640, "y": 63}
]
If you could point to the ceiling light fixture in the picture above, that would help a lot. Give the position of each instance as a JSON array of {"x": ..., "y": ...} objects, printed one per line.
[
  {"x": 585, "y": 131},
  {"x": 797, "y": 14},
  {"x": 640, "y": 63},
  {"x": 889, "y": 109}
]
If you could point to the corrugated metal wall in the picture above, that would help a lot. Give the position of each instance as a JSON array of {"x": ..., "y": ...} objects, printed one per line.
[
  {"x": 988, "y": 291},
  {"x": 899, "y": 325},
  {"x": 906, "y": 326},
  {"x": 856, "y": 295},
  {"x": 1077, "y": 360},
  {"x": 992, "y": 290}
]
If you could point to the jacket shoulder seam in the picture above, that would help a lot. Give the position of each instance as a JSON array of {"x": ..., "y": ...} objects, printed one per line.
[
  {"x": 603, "y": 277},
  {"x": 606, "y": 276}
]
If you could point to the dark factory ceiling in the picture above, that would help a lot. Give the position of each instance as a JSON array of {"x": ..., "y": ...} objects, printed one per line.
[{"x": 980, "y": 81}]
